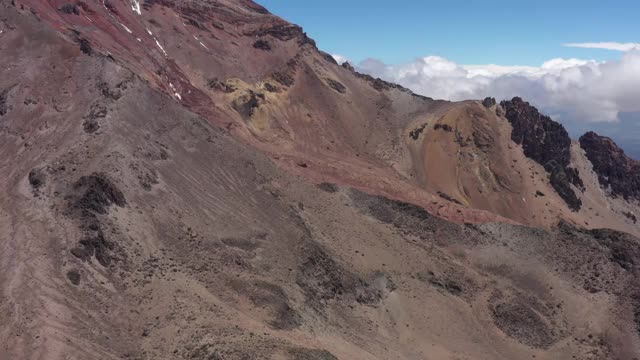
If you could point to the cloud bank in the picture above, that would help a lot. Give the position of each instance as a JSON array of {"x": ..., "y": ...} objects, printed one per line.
[
  {"x": 606, "y": 46},
  {"x": 567, "y": 89}
]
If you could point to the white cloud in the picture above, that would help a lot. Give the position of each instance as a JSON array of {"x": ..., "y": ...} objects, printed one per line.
[
  {"x": 340, "y": 59},
  {"x": 606, "y": 46},
  {"x": 582, "y": 90}
]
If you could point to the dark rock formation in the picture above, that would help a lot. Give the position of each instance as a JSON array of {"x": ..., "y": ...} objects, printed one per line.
[
  {"x": 262, "y": 45},
  {"x": 93, "y": 195},
  {"x": 546, "y": 142},
  {"x": 328, "y": 187},
  {"x": 337, "y": 86},
  {"x": 630, "y": 216},
  {"x": 85, "y": 46},
  {"x": 74, "y": 276},
  {"x": 622, "y": 249},
  {"x": 448, "y": 197},
  {"x": 415, "y": 133},
  {"x": 37, "y": 178},
  {"x": 3, "y": 102},
  {"x": 347, "y": 65},
  {"x": 221, "y": 86},
  {"x": 70, "y": 9},
  {"x": 444, "y": 127},
  {"x": 488, "y": 102},
  {"x": 282, "y": 31},
  {"x": 271, "y": 88},
  {"x": 616, "y": 171},
  {"x": 328, "y": 57},
  {"x": 97, "y": 193}
]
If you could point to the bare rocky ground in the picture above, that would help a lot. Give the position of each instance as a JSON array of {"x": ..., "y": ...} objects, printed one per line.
[{"x": 178, "y": 207}]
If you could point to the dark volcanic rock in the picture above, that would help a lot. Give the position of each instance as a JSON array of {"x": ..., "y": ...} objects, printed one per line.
[
  {"x": 3, "y": 102},
  {"x": 415, "y": 133},
  {"x": 70, "y": 9},
  {"x": 630, "y": 216},
  {"x": 281, "y": 31},
  {"x": 262, "y": 45},
  {"x": 94, "y": 245},
  {"x": 524, "y": 319},
  {"x": 616, "y": 171},
  {"x": 337, "y": 86},
  {"x": 320, "y": 276},
  {"x": 546, "y": 142},
  {"x": 347, "y": 65},
  {"x": 328, "y": 187},
  {"x": 85, "y": 46},
  {"x": 488, "y": 102},
  {"x": 37, "y": 178},
  {"x": 328, "y": 57},
  {"x": 448, "y": 197},
  {"x": 98, "y": 192},
  {"x": 74, "y": 276},
  {"x": 622, "y": 248},
  {"x": 221, "y": 86},
  {"x": 284, "y": 78},
  {"x": 444, "y": 127}
]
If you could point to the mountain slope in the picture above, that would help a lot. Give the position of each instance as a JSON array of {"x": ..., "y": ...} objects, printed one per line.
[{"x": 244, "y": 197}]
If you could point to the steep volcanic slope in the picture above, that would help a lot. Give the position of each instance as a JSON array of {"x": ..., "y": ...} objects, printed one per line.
[
  {"x": 149, "y": 210},
  {"x": 263, "y": 79}
]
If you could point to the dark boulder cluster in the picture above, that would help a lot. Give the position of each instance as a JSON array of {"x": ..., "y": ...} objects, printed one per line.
[
  {"x": 546, "y": 142},
  {"x": 262, "y": 45},
  {"x": 93, "y": 195},
  {"x": 616, "y": 171},
  {"x": 337, "y": 86},
  {"x": 70, "y": 9},
  {"x": 3, "y": 102},
  {"x": 85, "y": 46},
  {"x": 283, "y": 32},
  {"x": 221, "y": 86},
  {"x": 489, "y": 102},
  {"x": 415, "y": 133},
  {"x": 444, "y": 127}
]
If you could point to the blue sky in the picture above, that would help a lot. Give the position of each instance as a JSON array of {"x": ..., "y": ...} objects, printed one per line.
[{"x": 469, "y": 32}]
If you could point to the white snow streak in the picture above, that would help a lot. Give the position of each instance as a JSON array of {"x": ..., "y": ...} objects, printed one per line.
[
  {"x": 126, "y": 28},
  {"x": 175, "y": 93},
  {"x": 160, "y": 46},
  {"x": 135, "y": 6}
]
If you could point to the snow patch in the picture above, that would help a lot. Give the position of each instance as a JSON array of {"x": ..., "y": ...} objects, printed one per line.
[
  {"x": 175, "y": 92},
  {"x": 160, "y": 46},
  {"x": 203, "y": 45},
  {"x": 135, "y": 6},
  {"x": 126, "y": 28},
  {"x": 149, "y": 31}
]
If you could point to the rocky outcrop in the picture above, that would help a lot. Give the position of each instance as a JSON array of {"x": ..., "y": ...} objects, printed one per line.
[
  {"x": 616, "y": 172},
  {"x": 489, "y": 102},
  {"x": 547, "y": 143}
]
